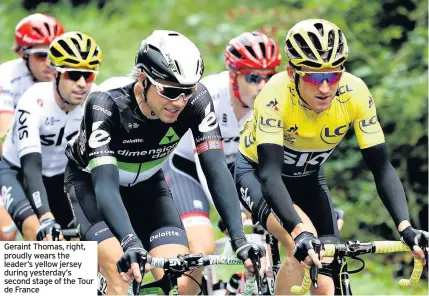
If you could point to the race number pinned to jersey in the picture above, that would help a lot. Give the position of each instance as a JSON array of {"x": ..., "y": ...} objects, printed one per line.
[
  {"x": 209, "y": 122},
  {"x": 98, "y": 137}
]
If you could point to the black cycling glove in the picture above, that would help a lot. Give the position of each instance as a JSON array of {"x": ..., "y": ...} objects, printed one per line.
[
  {"x": 412, "y": 237},
  {"x": 48, "y": 226},
  {"x": 243, "y": 249},
  {"x": 133, "y": 253},
  {"x": 303, "y": 243}
]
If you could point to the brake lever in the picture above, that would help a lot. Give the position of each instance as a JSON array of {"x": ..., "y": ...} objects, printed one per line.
[
  {"x": 136, "y": 284},
  {"x": 55, "y": 234},
  {"x": 255, "y": 258},
  {"x": 314, "y": 271}
]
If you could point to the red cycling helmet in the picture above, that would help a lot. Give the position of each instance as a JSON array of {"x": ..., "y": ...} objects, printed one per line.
[
  {"x": 37, "y": 29},
  {"x": 253, "y": 50}
]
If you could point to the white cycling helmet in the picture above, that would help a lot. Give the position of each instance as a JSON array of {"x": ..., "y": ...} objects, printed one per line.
[{"x": 170, "y": 56}]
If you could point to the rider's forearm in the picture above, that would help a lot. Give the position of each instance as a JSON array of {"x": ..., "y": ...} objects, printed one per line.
[
  {"x": 105, "y": 179},
  {"x": 273, "y": 189},
  {"x": 31, "y": 167},
  {"x": 222, "y": 188},
  {"x": 389, "y": 186}
]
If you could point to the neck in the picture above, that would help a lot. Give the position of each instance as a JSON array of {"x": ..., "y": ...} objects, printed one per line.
[
  {"x": 238, "y": 108},
  {"x": 60, "y": 102},
  {"x": 143, "y": 105}
]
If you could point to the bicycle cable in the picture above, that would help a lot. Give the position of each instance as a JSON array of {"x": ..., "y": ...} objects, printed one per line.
[{"x": 359, "y": 269}]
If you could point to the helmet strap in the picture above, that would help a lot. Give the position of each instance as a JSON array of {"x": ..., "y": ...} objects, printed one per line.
[
  {"x": 236, "y": 91},
  {"x": 26, "y": 59},
  {"x": 296, "y": 77},
  {"x": 57, "y": 85}
]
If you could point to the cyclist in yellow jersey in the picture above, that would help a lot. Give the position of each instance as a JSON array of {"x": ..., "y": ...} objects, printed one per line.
[{"x": 300, "y": 116}]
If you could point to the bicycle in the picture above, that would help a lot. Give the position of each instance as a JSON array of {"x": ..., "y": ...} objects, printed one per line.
[
  {"x": 175, "y": 268},
  {"x": 352, "y": 250},
  {"x": 237, "y": 282}
]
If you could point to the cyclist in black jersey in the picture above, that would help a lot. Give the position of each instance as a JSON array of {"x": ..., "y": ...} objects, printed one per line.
[{"x": 114, "y": 178}]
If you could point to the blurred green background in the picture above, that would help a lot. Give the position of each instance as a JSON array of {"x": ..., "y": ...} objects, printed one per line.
[{"x": 388, "y": 49}]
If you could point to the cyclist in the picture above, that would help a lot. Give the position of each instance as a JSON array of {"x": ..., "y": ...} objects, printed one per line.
[
  {"x": 114, "y": 174},
  {"x": 251, "y": 59},
  {"x": 33, "y": 34},
  {"x": 47, "y": 116},
  {"x": 299, "y": 118}
]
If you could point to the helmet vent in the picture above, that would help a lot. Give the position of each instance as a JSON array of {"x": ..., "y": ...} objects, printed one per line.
[
  {"x": 71, "y": 61},
  {"x": 315, "y": 40},
  {"x": 249, "y": 48},
  {"x": 55, "y": 52},
  {"x": 234, "y": 52},
  {"x": 319, "y": 28},
  {"x": 154, "y": 48},
  {"x": 198, "y": 66},
  {"x": 292, "y": 50},
  {"x": 38, "y": 31},
  {"x": 173, "y": 34},
  {"x": 338, "y": 62},
  {"x": 48, "y": 29},
  {"x": 66, "y": 47},
  {"x": 331, "y": 38}
]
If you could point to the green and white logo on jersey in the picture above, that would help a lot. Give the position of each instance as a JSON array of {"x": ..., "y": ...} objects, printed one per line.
[{"x": 170, "y": 137}]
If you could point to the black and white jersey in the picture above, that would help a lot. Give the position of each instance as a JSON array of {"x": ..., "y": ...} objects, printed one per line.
[
  {"x": 39, "y": 125},
  {"x": 114, "y": 131}
]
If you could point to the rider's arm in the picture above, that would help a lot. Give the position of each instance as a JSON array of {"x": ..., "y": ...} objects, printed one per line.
[
  {"x": 208, "y": 142},
  {"x": 99, "y": 125},
  {"x": 31, "y": 168},
  {"x": 371, "y": 141},
  {"x": 27, "y": 143},
  {"x": 389, "y": 187},
  {"x": 268, "y": 136},
  {"x": 273, "y": 189}
]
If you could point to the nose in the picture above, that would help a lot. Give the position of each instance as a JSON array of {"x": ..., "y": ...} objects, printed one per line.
[
  {"x": 324, "y": 87},
  {"x": 262, "y": 84},
  {"x": 81, "y": 82}
]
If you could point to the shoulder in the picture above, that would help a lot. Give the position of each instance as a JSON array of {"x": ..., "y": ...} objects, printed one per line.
[
  {"x": 113, "y": 83},
  {"x": 275, "y": 93},
  {"x": 13, "y": 71},
  {"x": 39, "y": 93},
  {"x": 217, "y": 84},
  {"x": 354, "y": 91}
]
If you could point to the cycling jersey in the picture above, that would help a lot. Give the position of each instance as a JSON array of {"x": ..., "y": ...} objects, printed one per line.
[
  {"x": 115, "y": 132},
  {"x": 39, "y": 125},
  {"x": 218, "y": 87},
  {"x": 15, "y": 79},
  {"x": 308, "y": 138}
]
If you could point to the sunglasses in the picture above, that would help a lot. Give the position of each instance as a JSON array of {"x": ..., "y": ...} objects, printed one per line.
[
  {"x": 317, "y": 78},
  {"x": 172, "y": 93},
  {"x": 255, "y": 78},
  {"x": 75, "y": 75},
  {"x": 39, "y": 54}
]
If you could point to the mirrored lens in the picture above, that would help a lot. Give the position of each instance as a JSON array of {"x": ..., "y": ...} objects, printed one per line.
[
  {"x": 76, "y": 75},
  {"x": 318, "y": 78},
  {"x": 254, "y": 78}
]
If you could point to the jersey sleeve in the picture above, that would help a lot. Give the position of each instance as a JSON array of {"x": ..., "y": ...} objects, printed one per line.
[
  {"x": 96, "y": 138},
  {"x": 366, "y": 125},
  {"x": 6, "y": 97},
  {"x": 268, "y": 117},
  {"x": 204, "y": 124},
  {"x": 26, "y": 130}
]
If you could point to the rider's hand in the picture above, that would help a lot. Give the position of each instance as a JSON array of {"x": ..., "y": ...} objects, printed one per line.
[
  {"x": 134, "y": 256},
  {"x": 304, "y": 251},
  {"x": 244, "y": 251},
  {"x": 47, "y": 227},
  {"x": 414, "y": 239}
]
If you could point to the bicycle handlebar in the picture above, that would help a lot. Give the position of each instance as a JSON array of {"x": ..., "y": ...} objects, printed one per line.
[
  {"x": 355, "y": 248},
  {"x": 183, "y": 263}
]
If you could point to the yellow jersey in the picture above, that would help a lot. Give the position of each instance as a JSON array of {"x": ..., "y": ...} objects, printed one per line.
[{"x": 308, "y": 138}]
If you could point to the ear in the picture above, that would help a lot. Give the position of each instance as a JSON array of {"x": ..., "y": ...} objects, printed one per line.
[
  {"x": 291, "y": 73},
  {"x": 19, "y": 51}
]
